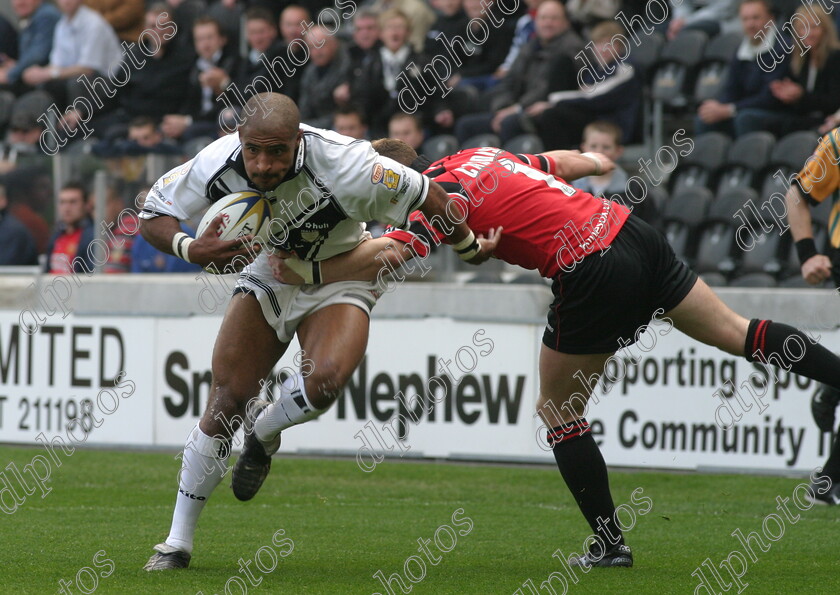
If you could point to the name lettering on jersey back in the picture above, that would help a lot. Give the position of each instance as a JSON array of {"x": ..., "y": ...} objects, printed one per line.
[{"x": 479, "y": 161}]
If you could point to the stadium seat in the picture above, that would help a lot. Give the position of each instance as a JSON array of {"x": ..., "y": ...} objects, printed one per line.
[
  {"x": 793, "y": 149},
  {"x": 699, "y": 167},
  {"x": 713, "y": 68},
  {"x": 525, "y": 143},
  {"x": 746, "y": 159},
  {"x": 672, "y": 79},
  {"x": 6, "y": 101},
  {"x": 754, "y": 280},
  {"x": 681, "y": 219},
  {"x": 647, "y": 53},
  {"x": 440, "y": 146},
  {"x": 482, "y": 140},
  {"x": 716, "y": 249},
  {"x": 788, "y": 156}
]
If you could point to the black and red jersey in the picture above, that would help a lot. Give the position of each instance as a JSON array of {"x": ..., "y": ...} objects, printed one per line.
[{"x": 548, "y": 224}]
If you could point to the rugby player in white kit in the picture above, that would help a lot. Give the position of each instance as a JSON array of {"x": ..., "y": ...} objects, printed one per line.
[{"x": 323, "y": 186}]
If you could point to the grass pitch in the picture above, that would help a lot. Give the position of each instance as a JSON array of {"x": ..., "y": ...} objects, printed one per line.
[{"x": 107, "y": 509}]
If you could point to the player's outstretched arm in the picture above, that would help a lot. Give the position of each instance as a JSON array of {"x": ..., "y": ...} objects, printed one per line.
[
  {"x": 368, "y": 261},
  {"x": 363, "y": 263},
  {"x": 164, "y": 233},
  {"x": 815, "y": 267},
  {"x": 571, "y": 165}
]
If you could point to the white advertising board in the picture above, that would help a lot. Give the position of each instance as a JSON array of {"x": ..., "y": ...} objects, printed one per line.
[{"x": 662, "y": 403}]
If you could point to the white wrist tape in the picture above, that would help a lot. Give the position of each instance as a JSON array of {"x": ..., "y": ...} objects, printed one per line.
[
  {"x": 468, "y": 247},
  {"x": 599, "y": 167},
  {"x": 181, "y": 245}
]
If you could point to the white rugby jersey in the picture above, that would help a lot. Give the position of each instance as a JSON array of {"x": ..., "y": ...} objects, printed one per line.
[{"x": 336, "y": 183}]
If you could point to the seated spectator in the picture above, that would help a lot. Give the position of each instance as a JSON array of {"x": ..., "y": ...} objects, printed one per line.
[
  {"x": 38, "y": 20},
  {"x": 263, "y": 48},
  {"x": 144, "y": 137},
  {"x": 350, "y": 121},
  {"x": 378, "y": 87},
  {"x": 8, "y": 39},
  {"x": 417, "y": 13},
  {"x": 712, "y": 18},
  {"x": 83, "y": 44},
  {"x": 451, "y": 21},
  {"x": 211, "y": 74},
  {"x": 124, "y": 16},
  {"x": 73, "y": 235},
  {"x": 293, "y": 21},
  {"x": 610, "y": 90},
  {"x": 480, "y": 69},
  {"x": 145, "y": 258},
  {"x": 812, "y": 93},
  {"x": 747, "y": 85},
  {"x": 156, "y": 86},
  {"x": 408, "y": 128},
  {"x": 29, "y": 191},
  {"x": 605, "y": 138},
  {"x": 22, "y": 139},
  {"x": 528, "y": 80},
  {"x": 328, "y": 67},
  {"x": 18, "y": 245},
  {"x": 453, "y": 28},
  {"x": 363, "y": 48},
  {"x": 124, "y": 227},
  {"x": 524, "y": 31}
]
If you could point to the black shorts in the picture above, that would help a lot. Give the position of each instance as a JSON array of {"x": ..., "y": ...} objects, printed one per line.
[{"x": 609, "y": 295}]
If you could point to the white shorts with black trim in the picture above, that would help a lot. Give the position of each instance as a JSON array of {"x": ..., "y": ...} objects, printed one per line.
[{"x": 285, "y": 306}]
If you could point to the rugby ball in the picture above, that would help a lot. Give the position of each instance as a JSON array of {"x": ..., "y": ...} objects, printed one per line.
[{"x": 243, "y": 213}]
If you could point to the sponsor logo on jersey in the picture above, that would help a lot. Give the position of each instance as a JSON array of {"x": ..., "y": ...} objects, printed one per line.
[
  {"x": 391, "y": 179},
  {"x": 377, "y": 173},
  {"x": 387, "y": 177}
]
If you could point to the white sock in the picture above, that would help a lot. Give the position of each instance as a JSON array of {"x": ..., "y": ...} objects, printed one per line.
[
  {"x": 291, "y": 408},
  {"x": 203, "y": 465}
]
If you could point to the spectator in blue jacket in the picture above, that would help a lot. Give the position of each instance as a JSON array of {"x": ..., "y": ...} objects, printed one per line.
[
  {"x": 38, "y": 20},
  {"x": 145, "y": 258},
  {"x": 760, "y": 59},
  {"x": 607, "y": 89}
]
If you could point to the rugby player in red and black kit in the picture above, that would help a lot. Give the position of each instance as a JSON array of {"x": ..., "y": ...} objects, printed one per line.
[{"x": 611, "y": 274}]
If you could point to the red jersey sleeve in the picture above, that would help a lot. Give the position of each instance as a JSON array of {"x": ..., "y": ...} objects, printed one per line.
[
  {"x": 418, "y": 235},
  {"x": 540, "y": 162}
]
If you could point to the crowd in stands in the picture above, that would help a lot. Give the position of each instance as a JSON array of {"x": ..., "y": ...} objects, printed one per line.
[{"x": 129, "y": 77}]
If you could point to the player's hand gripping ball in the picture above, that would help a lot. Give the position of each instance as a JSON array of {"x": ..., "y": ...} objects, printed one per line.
[{"x": 243, "y": 213}]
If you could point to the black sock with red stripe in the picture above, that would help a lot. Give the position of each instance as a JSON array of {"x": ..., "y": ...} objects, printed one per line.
[
  {"x": 585, "y": 473},
  {"x": 786, "y": 347}
]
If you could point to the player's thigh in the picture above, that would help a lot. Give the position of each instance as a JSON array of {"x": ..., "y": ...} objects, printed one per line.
[
  {"x": 334, "y": 338},
  {"x": 565, "y": 379},
  {"x": 246, "y": 349},
  {"x": 703, "y": 316}
]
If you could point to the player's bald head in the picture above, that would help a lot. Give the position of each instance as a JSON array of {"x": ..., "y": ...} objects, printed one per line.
[
  {"x": 270, "y": 113},
  {"x": 397, "y": 150}
]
